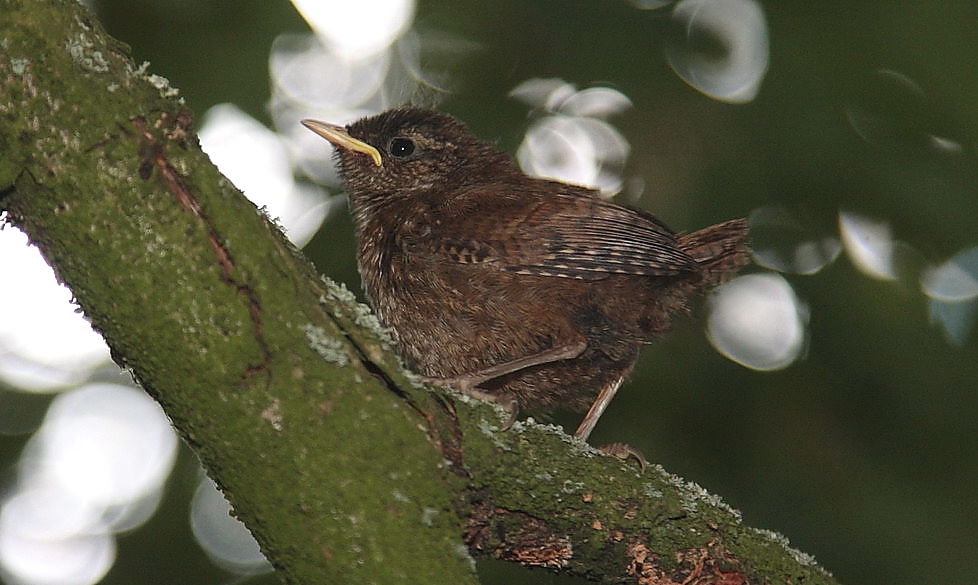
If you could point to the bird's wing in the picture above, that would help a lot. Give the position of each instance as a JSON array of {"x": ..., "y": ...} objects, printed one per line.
[{"x": 568, "y": 234}]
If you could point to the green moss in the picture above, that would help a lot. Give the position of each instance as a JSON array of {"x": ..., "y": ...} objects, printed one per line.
[
  {"x": 163, "y": 85},
  {"x": 329, "y": 348},
  {"x": 18, "y": 65},
  {"x": 214, "y": 311},
  {"x": 84, "y": 54}
]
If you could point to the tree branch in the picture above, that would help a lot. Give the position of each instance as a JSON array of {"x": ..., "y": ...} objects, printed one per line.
[{"x": 343, "y": 469}]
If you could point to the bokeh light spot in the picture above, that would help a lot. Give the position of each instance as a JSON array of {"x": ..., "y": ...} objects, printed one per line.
[
  {"x": 257, "y": 162},
  {"x": 784, "y": 243},
  {"x": 95, "y": 467},
  {"x": 757, "y": 321},
  {"x": 109, "y": 444},
  {"x": 869, "y": 244},
  {"x": 952, "y": 291},
  {"x": 357, "y": 29},
  {"x": 572, "y": 142},
  {"x": 77, "y": 560},
  {"x": 956, "y": 319},
  {"x": 720, "y": 47},
  {"x": 954, "y": 280},
  {"x": 889, "y": 110},
  {"x": 224, "y": 538},
  {"x": 45, "y": 343}
]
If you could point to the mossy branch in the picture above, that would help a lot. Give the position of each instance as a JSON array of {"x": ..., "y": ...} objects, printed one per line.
[{"x": 343, "y": 469}]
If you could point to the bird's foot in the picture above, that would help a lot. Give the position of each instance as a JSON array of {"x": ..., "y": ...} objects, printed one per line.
[
  {"x": 624, "y": 451},
  {"x": 466, "y": 384}
]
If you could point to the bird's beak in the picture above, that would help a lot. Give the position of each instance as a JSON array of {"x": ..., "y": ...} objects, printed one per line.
[{"x": 340, "y": 138}]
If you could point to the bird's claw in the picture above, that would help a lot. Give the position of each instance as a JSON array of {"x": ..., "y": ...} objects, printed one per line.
[
  {"x": 467, "y": 385},
  {"x": 624, "y": 451},
  {"x": 463, "y": 384}
]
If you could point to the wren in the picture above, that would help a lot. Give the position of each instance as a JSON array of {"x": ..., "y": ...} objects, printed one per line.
[{"x": 503, "y": 285}]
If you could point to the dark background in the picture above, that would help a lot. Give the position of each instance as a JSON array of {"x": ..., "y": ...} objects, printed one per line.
[{"x": 863, "y": 452}]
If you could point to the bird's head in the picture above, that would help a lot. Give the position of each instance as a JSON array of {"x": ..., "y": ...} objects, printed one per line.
[{"x": 409, "y": 150}]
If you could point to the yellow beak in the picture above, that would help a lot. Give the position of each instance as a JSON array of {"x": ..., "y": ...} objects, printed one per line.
[{"x": 340, "y": 138}]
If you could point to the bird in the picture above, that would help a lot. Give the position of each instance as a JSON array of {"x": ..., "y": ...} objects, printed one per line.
[{"x": 520, "y": 289}]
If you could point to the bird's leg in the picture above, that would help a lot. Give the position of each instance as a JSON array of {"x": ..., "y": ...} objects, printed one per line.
[
  {"x": 619, "y": 450},
  {"x": 605, "y": 395},
  {"x": 466, "y": 383}
]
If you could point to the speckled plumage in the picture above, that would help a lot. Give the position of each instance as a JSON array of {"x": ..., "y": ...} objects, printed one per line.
[{"x": 473, "y": 264}]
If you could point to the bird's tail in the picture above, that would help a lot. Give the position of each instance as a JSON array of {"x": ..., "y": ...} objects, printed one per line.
[{"x": 720, "y": 250}]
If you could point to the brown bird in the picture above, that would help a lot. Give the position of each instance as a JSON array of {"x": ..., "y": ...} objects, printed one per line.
[{"x": 508, "y": 286}]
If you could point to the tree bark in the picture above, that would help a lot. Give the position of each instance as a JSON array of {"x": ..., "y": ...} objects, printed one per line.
[{"x": 344, "y": 469}]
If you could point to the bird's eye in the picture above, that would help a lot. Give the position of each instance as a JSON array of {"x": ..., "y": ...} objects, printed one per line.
[{"x": 401, "y": 147}]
